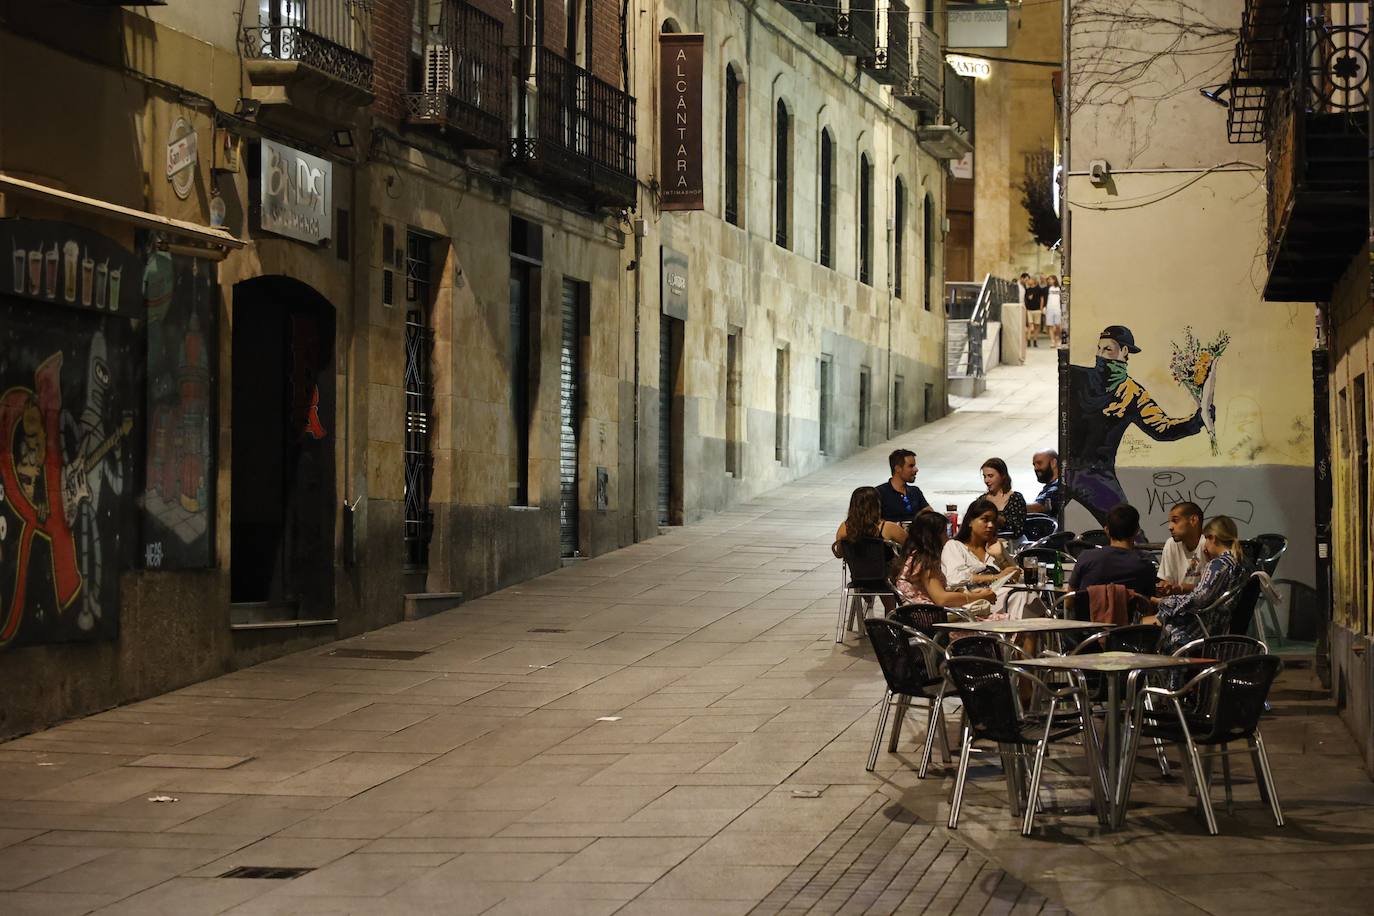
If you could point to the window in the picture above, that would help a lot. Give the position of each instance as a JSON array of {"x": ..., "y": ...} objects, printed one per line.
[
  {"x": 732, "y": 403},
  {"x": 928, "y": 243},
  {"x": 418, "y": 471},
  {"x": 780, "y": 407},
  {"x": 733, "y": 90},
  {"x": 579, "y": 30},
  {"x": 898, "y": 232},
  {"x": 782, "y": 178},
  {"x": 827, "y": 195},
  {"x": 897, "y": 403},
  {"x": 824, "y": 372},
  {"x": 928, "y": 403},
  {"x": 526, "y": 257},
  {"x": 865, "y": 384},
  {"x": 865, "y": 220}
]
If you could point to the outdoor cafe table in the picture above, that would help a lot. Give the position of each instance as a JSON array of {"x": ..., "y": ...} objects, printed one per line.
[
  {"x": 1054, "y": 625},
  {"x": 1115, "y": 666}
]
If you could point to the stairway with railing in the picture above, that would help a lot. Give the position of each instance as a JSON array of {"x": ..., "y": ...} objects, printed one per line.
[{"x": 968, "y": 307}]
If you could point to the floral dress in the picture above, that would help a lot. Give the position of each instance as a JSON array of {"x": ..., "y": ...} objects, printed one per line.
[
  {"x": 1013, "y": 515},
  {"x": 1184, "y": 617}
]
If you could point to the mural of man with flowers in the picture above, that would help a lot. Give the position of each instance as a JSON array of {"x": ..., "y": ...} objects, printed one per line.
[{"x": 1104, "y": 402}]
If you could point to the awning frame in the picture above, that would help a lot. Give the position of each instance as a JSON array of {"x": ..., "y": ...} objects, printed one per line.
[{"x": 208, "y": 235}]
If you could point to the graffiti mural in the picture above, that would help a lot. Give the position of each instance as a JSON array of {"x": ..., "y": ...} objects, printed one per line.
[
  {"x": 68, "y": 414},
  {"x": 179, "y": 293},
  {"x": 1105, "y": 402}
]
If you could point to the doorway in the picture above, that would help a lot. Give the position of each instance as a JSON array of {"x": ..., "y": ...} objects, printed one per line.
[
  {"x": 569, "y": 416},
  {"x": 669, "y": 424},
  {"x": 281, "y": 543}
]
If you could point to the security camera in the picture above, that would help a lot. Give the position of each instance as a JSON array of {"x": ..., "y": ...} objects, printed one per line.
[{"x": 1099, "y": 172}]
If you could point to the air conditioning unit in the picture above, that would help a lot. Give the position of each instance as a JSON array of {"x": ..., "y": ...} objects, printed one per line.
[{"x": 439, "y": 69}]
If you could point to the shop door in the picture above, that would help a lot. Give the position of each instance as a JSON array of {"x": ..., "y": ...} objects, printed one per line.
[
  {"x": 666, "y": 444},
  {"x": 568, "y": 420}
]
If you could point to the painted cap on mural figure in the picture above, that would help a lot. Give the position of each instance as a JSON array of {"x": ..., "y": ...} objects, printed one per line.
[{"x": 1122, "y": 335}]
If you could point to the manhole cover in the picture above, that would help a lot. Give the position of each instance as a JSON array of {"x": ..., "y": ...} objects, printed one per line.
[
  {"x": 265, "y": 871},
  {"x": 546, "y": 630},
  {"x": 400, "y": 655}
]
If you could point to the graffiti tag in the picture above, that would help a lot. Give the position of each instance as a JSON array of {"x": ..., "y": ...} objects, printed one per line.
[{"x": 1168, "y": 488}]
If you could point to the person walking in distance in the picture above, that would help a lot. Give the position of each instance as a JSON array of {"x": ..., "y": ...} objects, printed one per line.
[{"x": 1054, "y": 312}]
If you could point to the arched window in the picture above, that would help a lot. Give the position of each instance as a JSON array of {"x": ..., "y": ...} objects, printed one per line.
[
  {"x": 782, "y": 176},
  {"x": 928, "y": 240},
  {"x": 898, "y": 232},
  {"x": 733, "y": 150},
  {"x": 827, "y": 196},
  {"x": 865, "y": 220}
]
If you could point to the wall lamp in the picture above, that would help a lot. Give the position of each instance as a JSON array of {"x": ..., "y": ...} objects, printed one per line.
[{"x": 247, "y": 108}]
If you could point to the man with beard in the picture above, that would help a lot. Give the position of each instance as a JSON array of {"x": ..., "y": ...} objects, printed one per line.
[
  {"x": 1105, "y": 402},
  {"x": 1046, "y": 465}
]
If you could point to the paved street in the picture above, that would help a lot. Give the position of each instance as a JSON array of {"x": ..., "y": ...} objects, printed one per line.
[{"x": 668, "y": 729}]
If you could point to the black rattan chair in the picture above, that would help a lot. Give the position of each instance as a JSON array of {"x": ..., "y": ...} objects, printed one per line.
[
  {"x": 1238, "y": 690},
  {"x": 911, "y": 664},
  {"x": 864, "y": 571},
  {"x": 1060, "y": 540},
  {"x": 1243, "y": 607},
  {"x": 1096, "y": 537},
  {"x": 1079, "y": 546},
  {"x": 923, "y": 617},
  {"x": 992, "y": 713},
  {"x": 1039, "y": 526},
  {"x": 1269, "y": 549}
]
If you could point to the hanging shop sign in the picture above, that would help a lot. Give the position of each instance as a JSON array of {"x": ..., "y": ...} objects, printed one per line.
[
  {"x": 673, "y": 289},
  {"x": 181, "y": 157},
  {"x": 680, "y": 121},
  {"x": 295, "y": 193},
  {"x": 982, "y": 25},
  {"x": 974, "y": 67}
]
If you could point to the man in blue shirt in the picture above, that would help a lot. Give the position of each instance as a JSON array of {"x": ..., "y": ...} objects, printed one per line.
[
  {"x": 900, "y": 497},
  {"x": 1046, "y": 465}
]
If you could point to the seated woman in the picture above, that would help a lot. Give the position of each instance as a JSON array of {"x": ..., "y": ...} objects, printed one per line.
[
  {"x": 865, "y": 521},
  {"x": 1182, "y": 616},
  {"x": 976, "y": 557},
  {"x": 921, "y": 578},
  {"x": 1011, "y": 505}
]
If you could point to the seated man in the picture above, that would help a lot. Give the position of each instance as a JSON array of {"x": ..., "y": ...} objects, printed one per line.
[
  {"x": 1046, "y": 465},
  {"x": 900, "y": 497},
  {"x": 1181, "y": 564},
  {"x": 1119, "y": 563}
]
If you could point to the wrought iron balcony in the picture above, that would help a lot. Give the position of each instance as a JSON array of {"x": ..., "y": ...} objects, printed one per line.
[
  {"x": 575, "y": 131},
  {"x": 817, "y": 11},
  {"x": 309, "y": 50},
  {"x": 1300, "y": 83},
  {"x": 854, "y": 31},
  {"x": 952, "y": 136},
  {"x": 466, "y": 79},
  {"x": 924, "y": 87},
  {"x": 892, "y": 62}
]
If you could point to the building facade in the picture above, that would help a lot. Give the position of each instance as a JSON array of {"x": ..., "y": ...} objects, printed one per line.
[
  {"x": 1209, "y": 398},
  {"x": 324, "y": 321}
]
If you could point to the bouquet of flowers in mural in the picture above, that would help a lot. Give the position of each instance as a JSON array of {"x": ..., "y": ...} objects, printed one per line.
[{"x": 1194, "y": 366}]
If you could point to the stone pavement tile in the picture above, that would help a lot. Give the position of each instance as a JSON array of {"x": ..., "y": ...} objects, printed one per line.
[
  {"x": 349, "y": 775},
  {"x": 11, "y": 835},
  {"x": 659, "y": 907},
  {"x": 380, "y": 717},
  {"x": 689, "y": 654},
  {"x": 540, "y": 906},
  {"x": 124, "y": 871},
  {"x": 706, "y": 727},
  {"x": 742, "y": 848},
  {"x": 339, "y": 827},
  {"x": 364, "y": 874},
  {"x": 278, "y": 903},
  {"x": 659, "y": 764},
  {"x": 280, "y": 852},
  {"x": 221, "y": 843},
  {"x": 186, "y": 896},
  {"x": 452, "y": 690},
  {"x": 24, "y": 864},
  {"x": 502, "y": 866},
  {"x": 22, "y": 903},
  {"x": 587, "y": 803},
  {"x": 694, "y": 880},
  {"x": 500, "y": 844},
  {"x": 1102, "y": 898},
  {"x": 108, "y": 786},
  {"x": 257, "y": 816},
  {"x": 627, "y": 860},
  {"x": 457, "y": 824}
]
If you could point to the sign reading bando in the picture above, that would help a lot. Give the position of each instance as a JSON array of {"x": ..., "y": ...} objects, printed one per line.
[{"x": 680, "y": 121}]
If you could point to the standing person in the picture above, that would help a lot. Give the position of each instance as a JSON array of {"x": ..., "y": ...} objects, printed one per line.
[
  {"x": 1054, "y": 311},
  {"x": 1187, "y": 617},
  {"x": 1046, "y": 467},
  {"x": 1181, "y": 565},
  {"x": 901, "y": 498},
  {"x": 1011, "y": 505},
  {"x": 922, "y": 579},
  {"x": 1035, "y": 302}
]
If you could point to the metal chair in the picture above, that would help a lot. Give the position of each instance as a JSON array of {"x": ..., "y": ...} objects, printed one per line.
[
  {"x": 911, "y": 665},
  {"x": 1079, "y": 546},
  {"x": 992, "y": 713},
  {"x": 1039, "y": 526},
  {"x": 1096, "y": 537},
  {"x": 1060, "y": 540},
  {"x": 1269, "y": 549},
  {"x": 863, "y": 568},
  {"x": 1045, "y": 555},
  {"x": 1243, "y": 607},
  {"x": 1232, "y": 712}
]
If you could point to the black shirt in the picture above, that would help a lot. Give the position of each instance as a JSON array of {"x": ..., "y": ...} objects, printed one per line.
[
  {"x": 901, "y": 507},
  {"x": 1114, "y": 566},
  {"x": 1035, "y": 297}
]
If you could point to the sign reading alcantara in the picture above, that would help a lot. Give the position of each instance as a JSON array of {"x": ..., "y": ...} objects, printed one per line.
[{"x": 679, "y": 61}]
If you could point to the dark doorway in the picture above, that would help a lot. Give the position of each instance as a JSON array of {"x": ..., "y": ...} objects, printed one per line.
[
  {"x": 281, "y": 545},
  {"x": 669, "y": 422}
]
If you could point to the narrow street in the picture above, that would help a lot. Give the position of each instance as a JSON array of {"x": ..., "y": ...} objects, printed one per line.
[{"x": 666, "y": 729}]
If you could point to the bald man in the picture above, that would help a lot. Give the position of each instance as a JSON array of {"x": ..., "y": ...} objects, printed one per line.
[{"x": 1046, "y": 465}]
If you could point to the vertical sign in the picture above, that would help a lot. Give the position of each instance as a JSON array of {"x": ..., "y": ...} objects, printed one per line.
[{"x": 680, "y": 123}]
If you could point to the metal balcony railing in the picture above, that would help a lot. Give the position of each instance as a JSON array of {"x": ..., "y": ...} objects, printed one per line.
[
  {"x": 466, "y": 78},
  {"x": 891, "y": 62},
  {"x": 854, "y": 31},
  {"x": 327, "y": 35},
  {"x": 817, "y": 11},
  {"x": 924, "y": 88},
  {"x": 576, "y": 128},
  {"x": 958, "y": 102}
]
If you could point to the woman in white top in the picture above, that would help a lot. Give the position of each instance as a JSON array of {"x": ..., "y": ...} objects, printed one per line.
[
  {"x": 976, "y": 557},
  {"x": 1054, "y": 312}
]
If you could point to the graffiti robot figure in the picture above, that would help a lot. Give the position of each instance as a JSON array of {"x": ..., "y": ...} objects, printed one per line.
[{"x": 1104, "y": 402}]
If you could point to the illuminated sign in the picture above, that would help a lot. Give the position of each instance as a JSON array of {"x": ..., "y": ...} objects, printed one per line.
[{"x": 969, "y": 66}]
